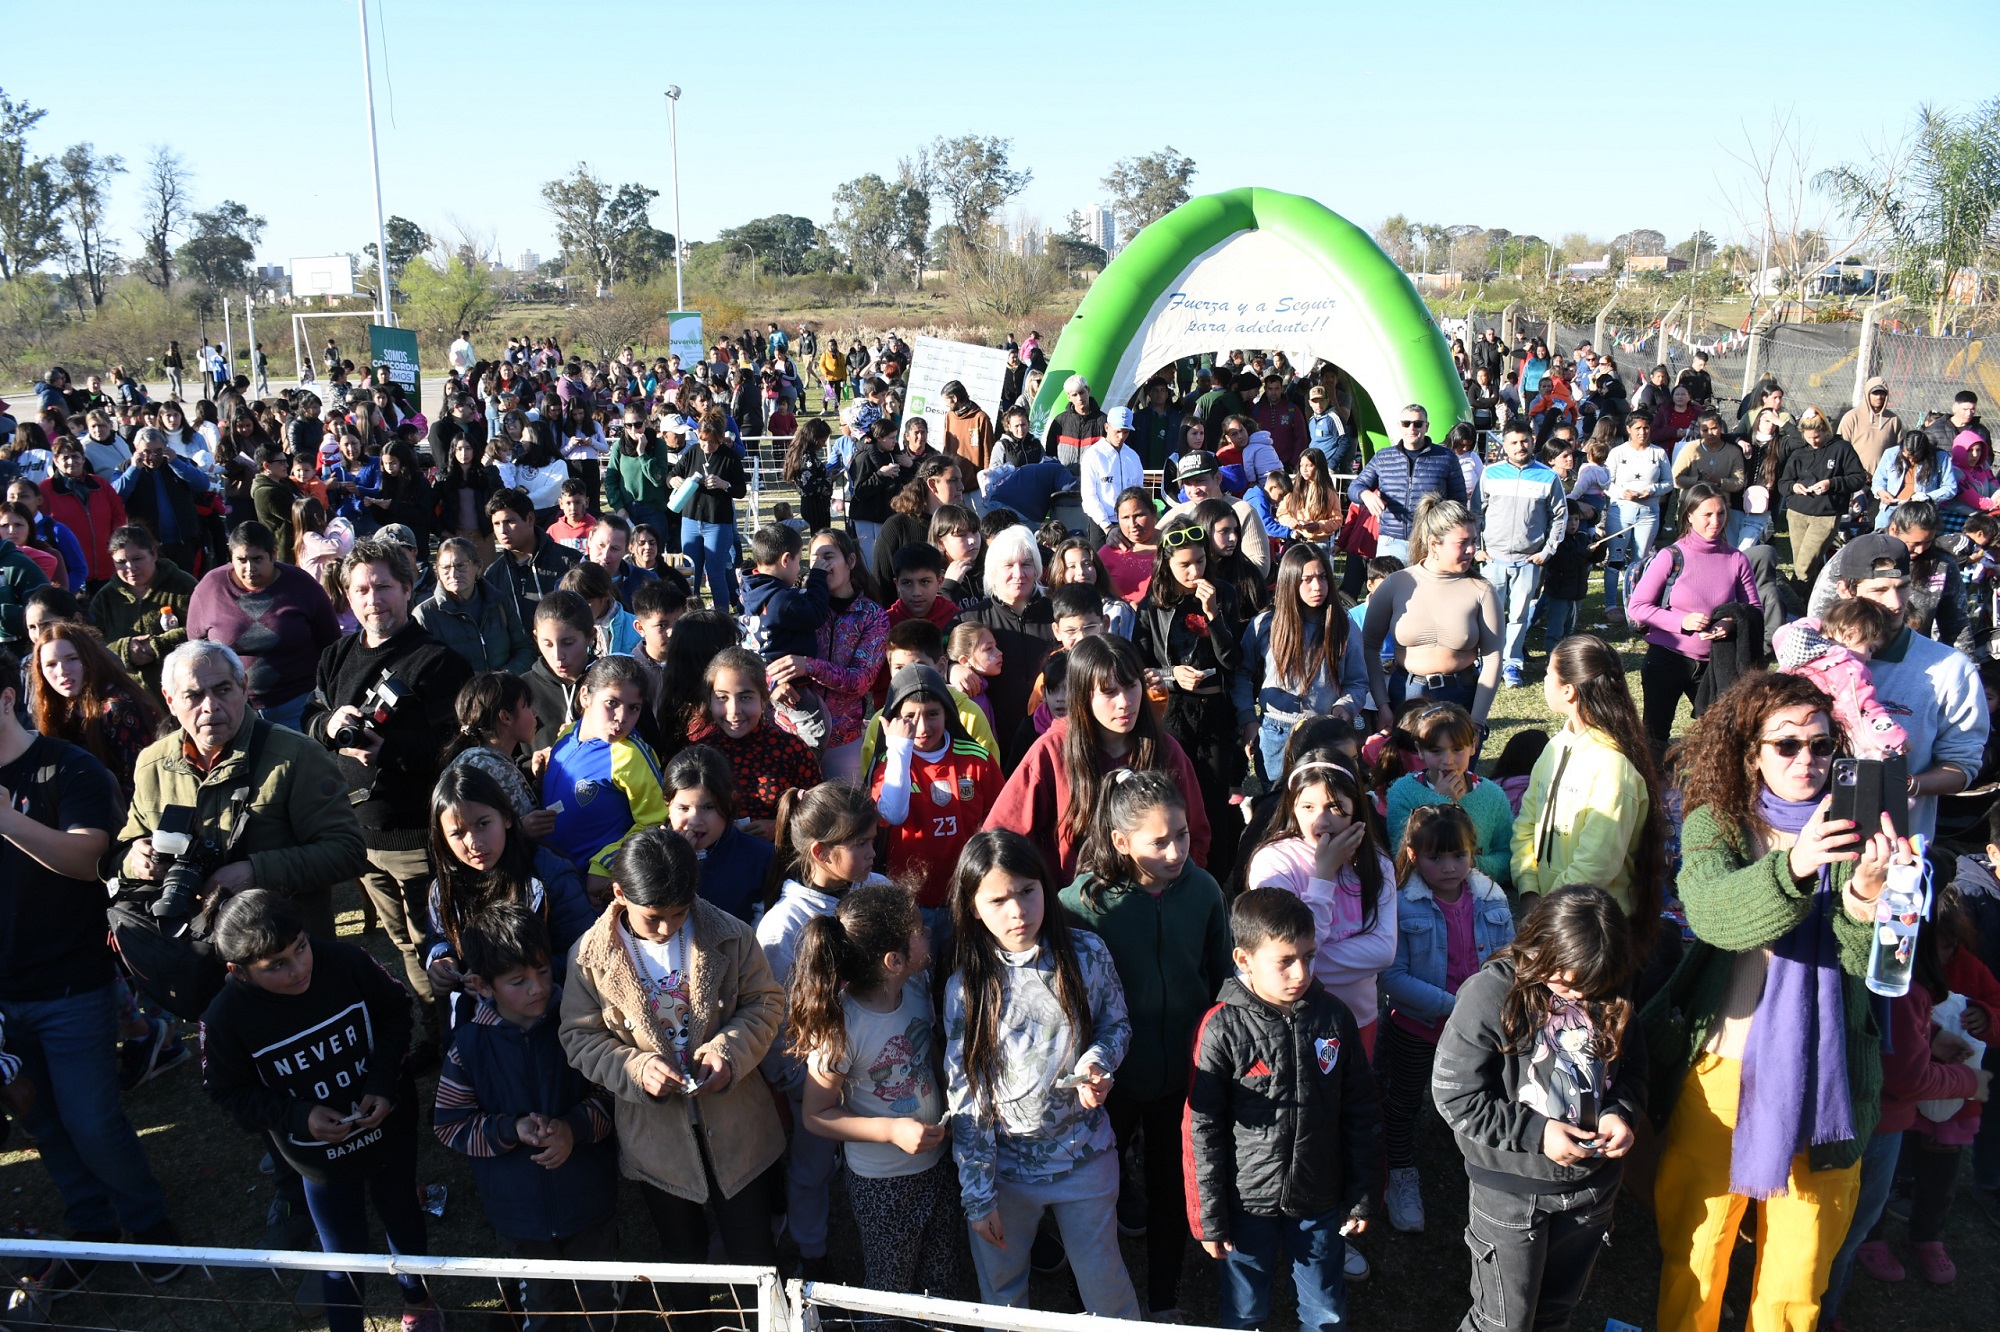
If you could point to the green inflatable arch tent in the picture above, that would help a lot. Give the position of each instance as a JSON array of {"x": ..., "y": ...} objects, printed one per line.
[{"x": 1254, "y": 268}]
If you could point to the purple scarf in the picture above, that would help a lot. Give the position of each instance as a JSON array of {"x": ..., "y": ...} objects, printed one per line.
[{"x": 1794, "y": 1089}]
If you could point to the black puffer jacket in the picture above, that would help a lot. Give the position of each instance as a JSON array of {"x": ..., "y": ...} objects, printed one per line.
[{"x": 1282, "y": 1112}]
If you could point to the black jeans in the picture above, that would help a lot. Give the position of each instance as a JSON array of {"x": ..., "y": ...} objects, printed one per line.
[
  {"x": 1666, "y": 678},
  {"x": 1403, "y": 1065},
  {"x": 1532, "y": 1253},
  {"x": 1166, "y": 1190},
  {"x": 746, "y": 1236},
  {"x": 1935, "y": 1168}
]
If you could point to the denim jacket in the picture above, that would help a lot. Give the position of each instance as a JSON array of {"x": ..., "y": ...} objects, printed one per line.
[{"x": 1414, "y": 982}]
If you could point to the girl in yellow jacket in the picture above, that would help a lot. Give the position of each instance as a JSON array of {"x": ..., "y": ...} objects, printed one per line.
[{"x": 1589, "y": 815}]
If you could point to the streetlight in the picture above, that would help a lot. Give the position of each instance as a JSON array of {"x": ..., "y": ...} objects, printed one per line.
[
  {"x": 375, "y": 167},
  {"x": 674, "y": 147}
]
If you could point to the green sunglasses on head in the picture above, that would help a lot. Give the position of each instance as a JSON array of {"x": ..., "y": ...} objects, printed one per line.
[{"x": 1176, "y": 537}]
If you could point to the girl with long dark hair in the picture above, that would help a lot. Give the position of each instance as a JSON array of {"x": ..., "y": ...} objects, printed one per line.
[{"x": 1301, "y": 658}]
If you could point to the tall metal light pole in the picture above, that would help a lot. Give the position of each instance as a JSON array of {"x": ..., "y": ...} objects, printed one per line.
[
  {"x": 674, "y": 149},
  {"x": 386, "y": 315}
]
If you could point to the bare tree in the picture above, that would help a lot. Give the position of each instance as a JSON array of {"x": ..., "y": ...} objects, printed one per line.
[
  {"x": 1785, "y": 215},
  {"x": 166, "y": 210},
  {"x": 86, "y": 181}
]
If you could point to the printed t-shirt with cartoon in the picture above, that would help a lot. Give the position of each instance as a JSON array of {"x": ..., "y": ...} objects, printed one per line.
[{"x": 890, "y": 1073}]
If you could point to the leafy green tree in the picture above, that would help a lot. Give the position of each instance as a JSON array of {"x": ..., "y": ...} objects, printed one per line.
[
  {"x": 222, "y": 246},
  {"x": 30, "y": 194},
  {"x": 441, "y": 299},
  {"x": 1939, "y": 211},
  {"x": 880, "y": 226},
  {"x": 780, "y": 242},
  {"x": 406, "y": 240},
  {"x": 972, "y": 178},
  {"x": 1145, "y": 189},
  {"x": 1397, "y": 237},
  {"x": 606, "y": 234},
  {"x": 638, "y": 248}
]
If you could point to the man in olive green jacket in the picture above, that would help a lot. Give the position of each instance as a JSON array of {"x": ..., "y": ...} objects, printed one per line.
[
  {"x": 142, "y": 613},
  {"x": 286, "y": 815}
]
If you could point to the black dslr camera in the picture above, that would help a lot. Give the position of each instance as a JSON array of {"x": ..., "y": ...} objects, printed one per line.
[
  {"x": 183, "y": 861},
  {"x": 376, "y": 706}
]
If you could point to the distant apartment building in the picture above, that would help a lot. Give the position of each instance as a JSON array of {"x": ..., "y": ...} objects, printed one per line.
[
  {"x": 1100, "y": 227},
  {"x": 527, "y": 261}
]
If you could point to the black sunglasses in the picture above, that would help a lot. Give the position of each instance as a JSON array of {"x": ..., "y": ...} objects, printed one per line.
[
  {"x": 1789, "y": 746},
  {"x": 1413, "y": 425}
]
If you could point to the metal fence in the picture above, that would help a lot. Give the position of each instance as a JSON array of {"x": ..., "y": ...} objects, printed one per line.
[
  {"x": 816, "y": 1306},
  {"x": 251, "y": 1290}
]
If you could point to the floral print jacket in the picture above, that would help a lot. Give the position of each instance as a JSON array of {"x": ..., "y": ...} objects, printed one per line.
[
  {"x": 852, "y": 645},
  {"x": 1032, "y": 1131}
]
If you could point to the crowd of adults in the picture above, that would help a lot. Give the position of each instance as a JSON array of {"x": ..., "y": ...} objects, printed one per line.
[{"x": 271, "y": 609}]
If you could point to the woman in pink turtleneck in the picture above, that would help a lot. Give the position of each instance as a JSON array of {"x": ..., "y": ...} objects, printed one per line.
[{"x": 1679, "y": 630}]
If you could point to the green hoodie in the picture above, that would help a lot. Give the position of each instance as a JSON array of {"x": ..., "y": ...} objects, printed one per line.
[{"x": 1172, "y": 953}]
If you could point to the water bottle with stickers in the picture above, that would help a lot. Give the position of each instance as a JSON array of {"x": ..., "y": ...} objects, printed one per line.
[{"x": 1905, "y": 901}]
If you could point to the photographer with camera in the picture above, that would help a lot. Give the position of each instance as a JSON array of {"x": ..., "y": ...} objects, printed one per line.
[
  {"x": 266, "y": 802},
  {"x": 384, "y": 703},
  {"x": 58, "y": 991}
]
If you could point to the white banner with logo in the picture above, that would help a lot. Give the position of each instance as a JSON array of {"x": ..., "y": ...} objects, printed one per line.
[{"x": 935, "y": 362}]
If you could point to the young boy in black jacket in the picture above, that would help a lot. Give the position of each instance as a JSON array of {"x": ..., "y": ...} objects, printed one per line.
[
  {"x": 784, "y": 606},
  {"x": 306, "y": 1043},
  {"x": 1281, "y": 1120},
  {"x": 539, "y": 1136}
]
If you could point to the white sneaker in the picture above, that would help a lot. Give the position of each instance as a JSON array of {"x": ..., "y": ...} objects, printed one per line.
[
  {"x": 1406, "y": 1200},
  {"x": 1355, "y": 1264}
]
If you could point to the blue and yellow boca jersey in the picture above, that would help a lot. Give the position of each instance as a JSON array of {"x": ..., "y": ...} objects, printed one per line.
[{"x": 601, "y": 791}]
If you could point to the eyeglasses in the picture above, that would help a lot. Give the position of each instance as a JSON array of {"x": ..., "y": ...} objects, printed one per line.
[
  {"x": 1175, "y": 538},
  {"x": 1414, "y": 425},
  {"x": 1789, "y": 746}
]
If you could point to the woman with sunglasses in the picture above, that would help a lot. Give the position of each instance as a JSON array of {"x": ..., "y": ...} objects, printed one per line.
[
  {"x": 1773, "y": 1038},
  {"x": 1438, "y": 616},
  {"x": 1681, "y": 600},
  {"x": 1188, "y": 634}
]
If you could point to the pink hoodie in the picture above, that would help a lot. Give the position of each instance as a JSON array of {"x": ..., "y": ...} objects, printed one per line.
[{"x": 1977, "y": 486}]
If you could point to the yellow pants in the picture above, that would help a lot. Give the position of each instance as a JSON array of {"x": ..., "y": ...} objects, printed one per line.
[{"x": 1797, "y": 1235}]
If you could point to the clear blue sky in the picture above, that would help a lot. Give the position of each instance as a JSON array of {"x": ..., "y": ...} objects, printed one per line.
[{"x": 1423, "y": 109}]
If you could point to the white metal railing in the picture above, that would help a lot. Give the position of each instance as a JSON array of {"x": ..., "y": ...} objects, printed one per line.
[
  {"x": 804, "y": 1300},
  {"x": 224, "y": 1284}
]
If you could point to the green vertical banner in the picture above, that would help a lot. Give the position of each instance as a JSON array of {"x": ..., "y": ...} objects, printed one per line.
[
  {"x": 684, "y": 336},
  {"x": 397, "y": 349}
]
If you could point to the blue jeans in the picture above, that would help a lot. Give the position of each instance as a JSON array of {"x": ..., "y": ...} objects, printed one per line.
[
  {"x": 865, "y": 533},
  {"x": 288, "y": 714},
  {"x": 339, "y": 1209},
  {"x": 712, "y": 547},
  {"x": 1399, "y": 547},
  {"x": 1318, "y": 1252},
  {"x": 1745, "y": 530},
  {"x": 1638, "y": 523},
  {"x": 1516, "y": 582},
  {"x": 1878, "y": 1173},
  {"x": 69, "y": 1051},
  {"x": 1085, "y": 1202},
  {"x": 1271, "y": 737},
  {"x": 1558, "y": 620}
]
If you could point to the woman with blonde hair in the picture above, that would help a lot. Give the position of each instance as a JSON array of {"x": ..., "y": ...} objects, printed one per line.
[{"x": 1439, "y": 617}]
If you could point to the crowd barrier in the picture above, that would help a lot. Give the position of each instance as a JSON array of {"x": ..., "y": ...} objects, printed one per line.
[{"x": 252, "y": 1290}]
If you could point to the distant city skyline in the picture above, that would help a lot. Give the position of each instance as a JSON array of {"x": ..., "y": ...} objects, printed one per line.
[{"x": 1388, "y": 111}]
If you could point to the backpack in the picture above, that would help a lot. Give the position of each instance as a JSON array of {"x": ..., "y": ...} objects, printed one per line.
[{"x": 1673, "y": 552}]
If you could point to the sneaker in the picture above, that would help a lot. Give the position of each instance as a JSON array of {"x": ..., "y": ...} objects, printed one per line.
[
  {"x": 288, "y": 1227},
  {"x": 426, "y": 1317},
  {"x": 1355, "y": 1264},
  {"x": 144, "y": 1058},
  {"x": 1131, "y": 1213},
  {"x": 1935, "y": 1263},
  {"x": 1875, "y": 1259},
  {"x": 165, "y": 1236},
  {"x": 1047, "y": 1255},
  {"x": 1406, "y": 1200},
  {"x": 1510, "y": 675},
  {"x": 45, "y": 1280}
]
